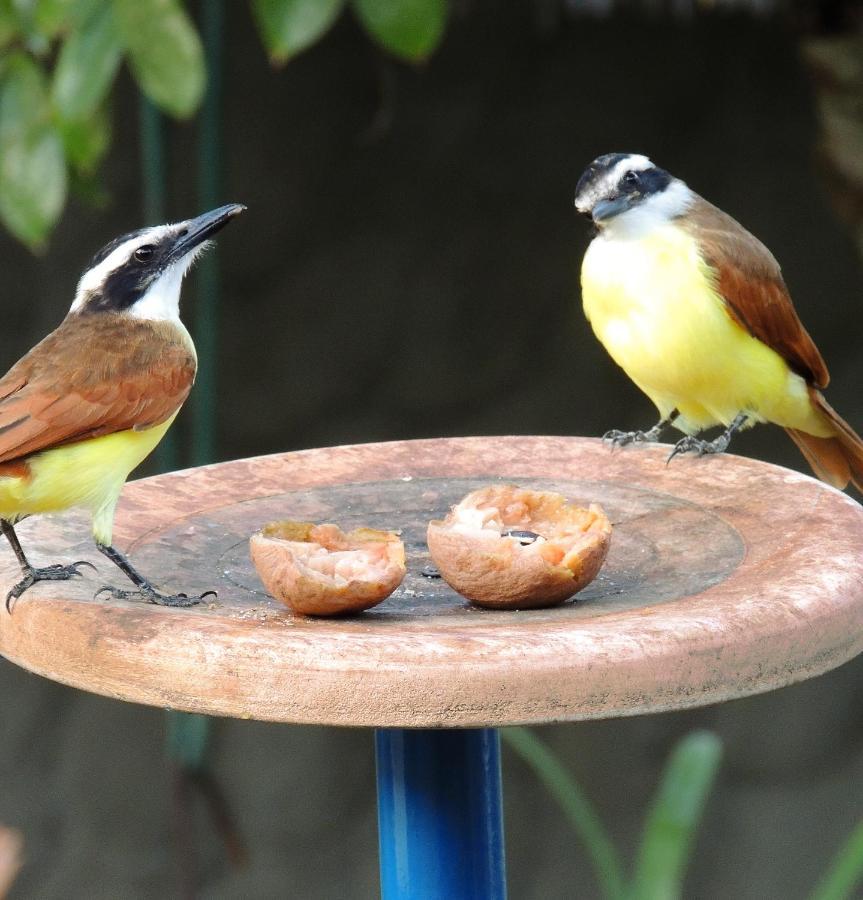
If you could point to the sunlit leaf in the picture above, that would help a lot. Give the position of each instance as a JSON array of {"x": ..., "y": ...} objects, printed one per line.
[
  {"x": 410, "y": 29},
  {"x": 289, "y": 26},
  {"x": 165, "y": 52},
  {"x": 32, "y": 164},
  {"x": 86, "y": 66}
]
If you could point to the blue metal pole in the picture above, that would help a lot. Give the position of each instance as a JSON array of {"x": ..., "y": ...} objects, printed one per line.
[{"x": 440, "y": 817}]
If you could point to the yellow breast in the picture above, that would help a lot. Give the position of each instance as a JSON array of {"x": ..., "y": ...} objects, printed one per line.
[
  {"x": 652, "y": 303},
  {"x": 88, "y": 474}
]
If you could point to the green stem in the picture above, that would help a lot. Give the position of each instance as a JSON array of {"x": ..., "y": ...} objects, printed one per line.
[
  {"x": 188, "y": 739},
  {"x": 207, "y": 282}
]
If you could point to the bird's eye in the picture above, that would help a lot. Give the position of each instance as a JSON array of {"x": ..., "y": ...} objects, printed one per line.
[
  {"x": 144, "y": 253},
  {"x": 630, "y": 178}
]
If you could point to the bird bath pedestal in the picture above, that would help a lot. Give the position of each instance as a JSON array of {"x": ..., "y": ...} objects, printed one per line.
[{"x": 726, "y": 577}]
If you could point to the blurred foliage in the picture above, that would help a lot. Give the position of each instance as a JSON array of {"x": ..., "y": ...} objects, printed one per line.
[
  {"x": 59, "y": 60},
  {"x": 673, "y": 817},
  {"x": 583, "y": 818},
  {"x": 670, "y": 826},
  {"x": 836, "y": 64},
  {"x": 846, "y": 872}
]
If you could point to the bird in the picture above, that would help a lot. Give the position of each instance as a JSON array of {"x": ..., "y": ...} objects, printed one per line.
[
  {"x": 91, "y": 400},
  {"x": 694, "y": 309}
]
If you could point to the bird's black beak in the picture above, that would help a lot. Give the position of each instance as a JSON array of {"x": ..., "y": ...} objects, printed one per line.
[
  {"x": 196, "y": 231},
  {"x": 603, "y": 210}
]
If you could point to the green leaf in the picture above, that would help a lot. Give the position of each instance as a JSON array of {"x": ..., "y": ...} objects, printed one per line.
[
  {"x": 86, "y": 141},
  {"x": 8, "y": 22},
  {"x": 575, "y": 805},
  {"x": 289, "y": 26},
  {"x": 845, "y": 871},
  {"x": 86, "y": 66},
  {"x": 25, "y": 12},
  {"x": 164, "y": 51},
  {"x": 81, "y": 10},
  {"x": 411, "y": 29},
  {"x": 674, "y": 816},
  {"x": 50, "y": 17},
  {"x": 32, "y": 165}
]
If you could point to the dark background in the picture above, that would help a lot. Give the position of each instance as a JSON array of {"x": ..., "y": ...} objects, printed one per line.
[{"x": 421, "y": 279}]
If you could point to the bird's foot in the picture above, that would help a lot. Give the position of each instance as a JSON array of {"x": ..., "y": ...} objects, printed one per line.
[
  {"x": 57, "y": 572},
  {"x": 621, "y": 438},
  {"x": 691, "y": 444},
  {"x": 148, "y": 594}
]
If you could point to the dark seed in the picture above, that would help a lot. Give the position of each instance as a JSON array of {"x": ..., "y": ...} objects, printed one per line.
[
  {"x": 523, "y": 537},
  {"x": 430, "y": 572}
]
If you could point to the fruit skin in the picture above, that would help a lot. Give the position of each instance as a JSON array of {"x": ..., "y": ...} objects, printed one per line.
[
  {"x": 280, "y": 553},
  {"x": 500, "y": 572}
]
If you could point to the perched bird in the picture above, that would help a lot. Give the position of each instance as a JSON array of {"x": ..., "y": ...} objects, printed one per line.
[
  {"x": 694, "y": 309},
  {"x": 92, "y": 399}
]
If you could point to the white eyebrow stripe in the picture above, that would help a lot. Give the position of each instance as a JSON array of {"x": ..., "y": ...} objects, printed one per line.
[{"x": 635, "y": 163}]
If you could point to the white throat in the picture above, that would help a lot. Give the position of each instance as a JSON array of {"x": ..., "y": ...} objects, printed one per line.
[
  {"x": 653, "y": 212},
  {"x": 162, "y": 300}
]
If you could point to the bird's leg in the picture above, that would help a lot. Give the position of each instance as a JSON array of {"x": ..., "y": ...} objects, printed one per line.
[
  {"x": 57, "y": 572},
  {"x": 622, "y": 438},
  {"x": 691, "y": 444},
  {"x": 143, "y": 589}
]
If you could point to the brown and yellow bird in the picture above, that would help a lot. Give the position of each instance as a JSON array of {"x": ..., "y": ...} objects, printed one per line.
[
  {"x": 694, "y": 310},
  {"x": 88, "y": 403}
]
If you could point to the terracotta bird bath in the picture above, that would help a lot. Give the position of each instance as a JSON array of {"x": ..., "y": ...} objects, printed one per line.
[{"x": 726, "y": 577}]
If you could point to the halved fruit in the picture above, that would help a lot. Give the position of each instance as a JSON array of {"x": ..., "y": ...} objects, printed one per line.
[
  {"x": 319, "y": 570},
  {"x": 509, "y": 548}
]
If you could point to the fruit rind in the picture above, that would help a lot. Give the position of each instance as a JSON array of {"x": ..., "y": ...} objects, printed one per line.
[
  {"x": 491, "y": 569},
  {"x": 319, "y": 570}
]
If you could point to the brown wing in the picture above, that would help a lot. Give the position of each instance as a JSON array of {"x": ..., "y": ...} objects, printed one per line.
[
  {"x": 93, "y": 375},
  {"x": 750, "y": 281}
]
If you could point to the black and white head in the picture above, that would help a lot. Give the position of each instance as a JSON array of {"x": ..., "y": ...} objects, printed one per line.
[
  {"x": 141, "y": 272},
  {"x": 625, "y": 192}
]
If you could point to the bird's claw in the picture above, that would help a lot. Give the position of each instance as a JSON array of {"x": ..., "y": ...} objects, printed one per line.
[
  {"x": 149, "y": 594},
  {"x": 691, "y": 444},
  {"x": 619, "y": 438},
  {"x": 55, "y": 572}
]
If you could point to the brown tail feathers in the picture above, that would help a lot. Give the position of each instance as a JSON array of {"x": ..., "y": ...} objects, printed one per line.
[{"x": 836, "y": 460}]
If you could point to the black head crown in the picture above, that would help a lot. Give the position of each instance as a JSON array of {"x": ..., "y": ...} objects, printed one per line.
[{"x": 616, "y": 182}]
